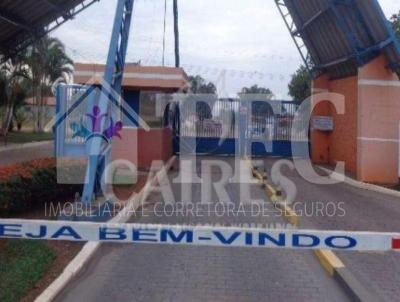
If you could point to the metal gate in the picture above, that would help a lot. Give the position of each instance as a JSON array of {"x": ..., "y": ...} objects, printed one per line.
[{"x": 214, "y": 126}]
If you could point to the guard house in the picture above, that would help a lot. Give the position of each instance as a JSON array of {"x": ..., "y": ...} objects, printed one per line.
[
  {"x": 141, "y": 90},
  {"x": 354, "y": 56}
]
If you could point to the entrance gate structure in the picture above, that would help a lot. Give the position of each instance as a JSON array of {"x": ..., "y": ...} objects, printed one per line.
[
  {"x": 340, "y": 37},
  {"x": 214, "y": 127}
]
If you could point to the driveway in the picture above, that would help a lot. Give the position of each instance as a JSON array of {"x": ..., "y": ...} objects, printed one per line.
[
  {"x": 179, "y": 273},
  {"x": 359, "y": 210}
]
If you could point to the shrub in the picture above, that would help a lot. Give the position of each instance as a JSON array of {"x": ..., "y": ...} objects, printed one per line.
[
  {"x": 20, "y": 117},
  {"x": 30, "y": 185}
]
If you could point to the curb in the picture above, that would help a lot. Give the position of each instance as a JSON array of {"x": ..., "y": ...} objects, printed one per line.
[
  {"x": 328, "y": 259},
  {"x": 289, "y": 214},
  {"x": 335, "y": 267},
  {"x": 24, "y": 146},
  {"x": 274, "y": 196},
  {"x": 353, "y": 287},
  {"x": 88, "y": 250},
  {"x": 360, "y": 184}
]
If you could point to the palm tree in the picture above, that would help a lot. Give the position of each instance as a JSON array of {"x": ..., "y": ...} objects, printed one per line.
[
  {"x": 13, "y": 90},
  {"x": 48, "y": 64}
]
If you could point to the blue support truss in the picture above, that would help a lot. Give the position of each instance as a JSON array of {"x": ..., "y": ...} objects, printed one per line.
[
  {"x": 351, "y": 38},
  {"x": 295, "y": 33},
  {"x": 359, "y": 52},
  {"x": 111, "y": 89}
]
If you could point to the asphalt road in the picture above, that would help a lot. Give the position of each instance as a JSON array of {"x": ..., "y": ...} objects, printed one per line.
[
  {"x": 360, "y": 210},
  {"x": 171, "y": 273}
]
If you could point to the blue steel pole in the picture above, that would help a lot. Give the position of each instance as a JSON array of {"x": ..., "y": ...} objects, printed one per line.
[{"x": 111, "y": 84}]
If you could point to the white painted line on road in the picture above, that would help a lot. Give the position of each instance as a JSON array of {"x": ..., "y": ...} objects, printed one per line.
[{"x": 198, "y": 235}]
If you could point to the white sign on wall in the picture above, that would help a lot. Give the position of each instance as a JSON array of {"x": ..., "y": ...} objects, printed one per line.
[{"x": 322, "y": 123}]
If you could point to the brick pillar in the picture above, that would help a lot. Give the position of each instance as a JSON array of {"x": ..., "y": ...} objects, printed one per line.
[
  {"x": 366, "y": 137},
  {"x": 320, "y": 141},
  {"x": 378, "y": 123}
]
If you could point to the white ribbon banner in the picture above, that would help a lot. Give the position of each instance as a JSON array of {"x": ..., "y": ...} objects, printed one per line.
[{"x": 198, "y": 235}]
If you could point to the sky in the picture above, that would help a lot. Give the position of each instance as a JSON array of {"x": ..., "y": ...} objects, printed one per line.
[{"x": 234, "y": 44}]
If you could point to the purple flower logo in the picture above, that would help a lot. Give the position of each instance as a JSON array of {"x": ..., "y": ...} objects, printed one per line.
[{"x": 96, "y": 117}]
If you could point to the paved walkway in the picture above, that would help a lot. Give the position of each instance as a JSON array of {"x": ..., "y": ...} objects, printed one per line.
[
  {"x": 363, "y": 211},
  {"x": 172, "y": 273},
  {"x": 17, "y": 153}
]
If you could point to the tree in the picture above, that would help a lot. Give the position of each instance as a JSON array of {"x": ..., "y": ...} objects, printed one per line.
[
  {"x": 200, "y": 85},
  {"x": 48, "y": 64},
  {"x": 20, "y": 117},
  {"x": 12, "y": 89},
  {"x": 257, "y": 90},
  {"x": 259, "y": 107},
  {"x": 300, "y": 84},
  {"x": 203, "y": 111},
  {"x": 395, "y": 19}
]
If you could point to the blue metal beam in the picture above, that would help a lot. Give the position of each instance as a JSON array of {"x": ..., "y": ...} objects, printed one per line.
[
  {"x": 63, "y": 12},
  {"x": 310, "y": 21},
  {"x": 362, "y": 20},
  {"x": 351, "y": 38},
  {"x": 305, "y": 57},
  {"x": 362, "y": 54},
  {"x": 359, "y": 52},
  {"x": 111, "y": 85}
]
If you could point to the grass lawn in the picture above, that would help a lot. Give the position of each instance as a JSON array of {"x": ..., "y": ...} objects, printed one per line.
[
  {"x": 22, "y": 264},
  {"x": 27, "y": 137}
]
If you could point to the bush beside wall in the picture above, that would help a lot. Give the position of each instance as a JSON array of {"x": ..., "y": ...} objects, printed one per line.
[{"x": 29, "y": 185}]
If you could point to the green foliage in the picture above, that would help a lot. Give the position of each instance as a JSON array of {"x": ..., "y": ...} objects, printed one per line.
[
  {"x": 395, "y": 19},
  {"x": 18, "y": 193},
  {"x": 22, "y": 264},
  {"x": 20, "y": 117},
  {"x": 48, "y": 65},
  {"x": 199, "y": 85},
  {"x": 12, "y": 89},
  {"x": 203, "y": 111},
  {"x": 255, "y": 89},
  {"x": 300, "y": 84},
  {"x": 48, "y": 61},
  {"x": 262, "y": 93}
]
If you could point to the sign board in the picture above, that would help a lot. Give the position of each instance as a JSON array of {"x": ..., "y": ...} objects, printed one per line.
[
  {"x": 243, "y": 110},
  {"x": 199, "y": 235},
  {"x": 211, "y": 124},
  {"x": 322, "y": 123}
]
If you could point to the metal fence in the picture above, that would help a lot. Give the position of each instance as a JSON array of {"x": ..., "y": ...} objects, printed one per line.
[
  {"x": 209, "y": 119},
  {"x": 217, "y": 119},
  {"x": 66, "y": 98}
]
